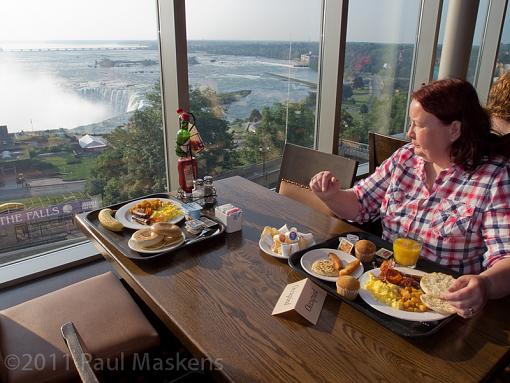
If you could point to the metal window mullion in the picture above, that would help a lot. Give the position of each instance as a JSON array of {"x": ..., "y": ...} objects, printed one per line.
[
  {"x": 426, "y": 42},
  {"x": 174, "y": 76},
  {"x": 333, "y": 41},
  {"x": 458, "y": 38},
  {"x": 489, "y": 48}
]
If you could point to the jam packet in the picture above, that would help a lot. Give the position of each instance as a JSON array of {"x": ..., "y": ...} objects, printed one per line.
[{"x": 195, "y": 226}]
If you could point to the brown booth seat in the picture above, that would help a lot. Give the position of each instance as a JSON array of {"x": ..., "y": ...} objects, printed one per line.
[{"x": 108, "y": 321}]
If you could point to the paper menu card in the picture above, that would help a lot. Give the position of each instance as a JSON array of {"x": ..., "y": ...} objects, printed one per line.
[{"x": 303, "y": 297}]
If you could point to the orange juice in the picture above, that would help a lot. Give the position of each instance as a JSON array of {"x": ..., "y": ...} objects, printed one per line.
[{"x": 406, "y": 251}]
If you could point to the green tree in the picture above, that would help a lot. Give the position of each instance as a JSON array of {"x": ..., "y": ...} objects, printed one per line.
[
  {"x": 219, "y": 154},
  {"x": 297, "y": 123},
  {"x": 134, "y": 162}
]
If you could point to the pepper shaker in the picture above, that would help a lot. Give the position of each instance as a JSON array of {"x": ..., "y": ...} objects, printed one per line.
[{"x": 209, "y": 191}]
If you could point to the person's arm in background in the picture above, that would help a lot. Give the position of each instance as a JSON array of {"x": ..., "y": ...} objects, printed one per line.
[
  {"x": 469, "y": 293},
  {"x": 343, "y": 203},
  {"x": 363, "y": 202}
]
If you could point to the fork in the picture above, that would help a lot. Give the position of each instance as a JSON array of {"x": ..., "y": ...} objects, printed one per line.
[{"x": 204, "y": 231}]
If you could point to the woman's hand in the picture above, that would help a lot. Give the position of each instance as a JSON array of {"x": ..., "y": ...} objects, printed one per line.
[
  {"x": 324, "y": 184},
  {"x": 468, "y": 294}
]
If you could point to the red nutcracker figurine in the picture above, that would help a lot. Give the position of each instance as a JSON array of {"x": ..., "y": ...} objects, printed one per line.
[{"x": 188, "y": 141}]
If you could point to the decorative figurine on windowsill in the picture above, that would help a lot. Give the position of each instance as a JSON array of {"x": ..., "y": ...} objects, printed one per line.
[{"x": 188, "y": 143}]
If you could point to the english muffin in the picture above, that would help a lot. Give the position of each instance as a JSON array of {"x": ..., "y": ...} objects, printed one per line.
[
  {"x": 166, "y": 228},
  {"x": 146, "y": 237},
  {"x": 436, "y": 283},
  {"x": 437, "y": 304},
  {"x": 347, "y": 286}
]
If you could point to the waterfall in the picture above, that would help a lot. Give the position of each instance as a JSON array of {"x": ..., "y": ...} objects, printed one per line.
[
  {"x": 135, "y": 102},
  {"x": 119, "y": 101}
]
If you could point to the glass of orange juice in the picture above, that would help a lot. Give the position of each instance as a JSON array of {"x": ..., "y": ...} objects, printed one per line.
[{"x": 406, "y": 251}]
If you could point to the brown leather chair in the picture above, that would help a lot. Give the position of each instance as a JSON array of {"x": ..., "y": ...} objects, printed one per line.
[
  {"x": 300, "y": 164},
  {"x": 381, "y": 147},
  {"x": 109, "y": 322}
]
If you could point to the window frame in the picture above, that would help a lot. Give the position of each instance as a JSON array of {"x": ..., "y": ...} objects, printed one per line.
[
  {"x": 489, "y": 48},
  {"x": 171, "y": 23}
]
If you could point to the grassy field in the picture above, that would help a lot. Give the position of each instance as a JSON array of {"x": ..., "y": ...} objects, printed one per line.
[{"x": 71, "y": 172}]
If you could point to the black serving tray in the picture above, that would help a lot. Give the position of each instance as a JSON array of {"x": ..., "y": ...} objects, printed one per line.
[
  {"x": 120, "y": 240},
  {"x": 398, "y": 326}
]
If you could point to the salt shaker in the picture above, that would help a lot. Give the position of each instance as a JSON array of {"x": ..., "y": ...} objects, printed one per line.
[{"x": 198, "y": 190}]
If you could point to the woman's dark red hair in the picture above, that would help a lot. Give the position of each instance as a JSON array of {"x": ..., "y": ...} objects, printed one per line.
[{"x": 456, "y": 100}]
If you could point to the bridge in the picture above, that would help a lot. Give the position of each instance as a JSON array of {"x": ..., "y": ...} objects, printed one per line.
[{"x": 48, "y": 49}]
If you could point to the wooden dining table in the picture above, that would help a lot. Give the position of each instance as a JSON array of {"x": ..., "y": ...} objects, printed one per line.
[{"x": 217, "y": 297}]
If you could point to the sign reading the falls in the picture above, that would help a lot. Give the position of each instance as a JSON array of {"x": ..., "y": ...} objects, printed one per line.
[{"x": 45, "y": 213}]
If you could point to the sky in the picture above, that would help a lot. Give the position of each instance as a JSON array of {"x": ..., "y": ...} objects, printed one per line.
[{"x": 296, "y": 20}]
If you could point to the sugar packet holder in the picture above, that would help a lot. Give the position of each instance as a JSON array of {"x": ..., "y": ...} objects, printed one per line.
[{"x": 231, "y": 216}]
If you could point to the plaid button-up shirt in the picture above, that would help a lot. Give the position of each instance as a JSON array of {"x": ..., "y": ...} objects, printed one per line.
[{"x": 463, "y": 222}]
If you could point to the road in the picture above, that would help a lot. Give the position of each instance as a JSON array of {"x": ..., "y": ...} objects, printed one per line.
[{"x": 40, "y": 187}]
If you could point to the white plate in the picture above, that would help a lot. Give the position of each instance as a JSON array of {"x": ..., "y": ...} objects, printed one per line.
[
  {"x": 132, "y": 246},
  {"x": 314, "y": 255},
  {"x": 427, "y": 316},
  {"x": 266, "y": 248},
  {"x": 124, "y": 216}
]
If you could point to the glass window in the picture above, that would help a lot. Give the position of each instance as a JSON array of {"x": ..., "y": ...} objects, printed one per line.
[
  {"x": 253, "y": 75},
  {"x": 477, "y": 39},
  {"x": 503, "y": 61},
  {"x": 378, "y": 60},
  {"x": 80, "y": 115}
]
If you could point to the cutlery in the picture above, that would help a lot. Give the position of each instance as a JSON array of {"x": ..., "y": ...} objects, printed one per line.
[{"x": 204, "y": 233}]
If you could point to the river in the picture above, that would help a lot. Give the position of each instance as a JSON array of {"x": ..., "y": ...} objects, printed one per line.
[{"x": 51, "y": 89}]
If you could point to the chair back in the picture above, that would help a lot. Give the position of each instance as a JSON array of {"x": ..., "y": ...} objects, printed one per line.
[
  {"x": 381, "y": 147},
  {"x": 300, "y": 164}
]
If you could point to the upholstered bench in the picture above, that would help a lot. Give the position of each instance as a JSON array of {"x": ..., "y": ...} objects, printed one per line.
[{"x": 108, "y": 321}]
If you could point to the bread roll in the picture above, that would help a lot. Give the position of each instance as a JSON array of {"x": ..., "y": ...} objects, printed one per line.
[
  {"x": 349, "y": 269},
  {"x": 337, "y": 263}
]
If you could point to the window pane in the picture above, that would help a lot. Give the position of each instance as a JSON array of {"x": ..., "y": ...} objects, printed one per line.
[
  {"x": 477, "y": 38},
  {"x": 503, "y": 61},
  {"x": 253, "y": 69},
  {"x": 80, "y": 115},
  {"x": 378, "y": 62}
]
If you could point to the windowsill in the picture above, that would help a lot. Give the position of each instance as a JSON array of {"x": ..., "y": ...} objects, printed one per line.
[{"x": 45, "y": 264}]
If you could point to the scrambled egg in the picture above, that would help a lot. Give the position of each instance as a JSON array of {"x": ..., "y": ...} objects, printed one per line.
[
  {"x": 386, "y": 293},
  {"x": 166, "y": 213}
]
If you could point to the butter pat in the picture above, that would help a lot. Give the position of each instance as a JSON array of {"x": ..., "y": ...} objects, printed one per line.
[{"x": 231, "y": 216}]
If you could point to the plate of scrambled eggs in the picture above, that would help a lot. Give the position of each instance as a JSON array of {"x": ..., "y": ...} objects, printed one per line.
[
  {"x": 385, "y": 297},
  {"x": 168, "y": 210}
]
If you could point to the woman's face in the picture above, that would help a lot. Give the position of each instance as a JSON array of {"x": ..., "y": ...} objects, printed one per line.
[{"x": 432, "y": 138}]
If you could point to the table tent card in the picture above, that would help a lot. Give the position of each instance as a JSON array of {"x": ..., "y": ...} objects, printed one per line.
[{"x": 303, "y": 297}]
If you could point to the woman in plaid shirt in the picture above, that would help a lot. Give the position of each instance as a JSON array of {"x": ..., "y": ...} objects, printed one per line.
[{"x": 447, "y": 188}]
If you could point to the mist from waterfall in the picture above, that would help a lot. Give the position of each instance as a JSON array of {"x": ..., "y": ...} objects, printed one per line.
[{"x": 40, "y": 101}]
